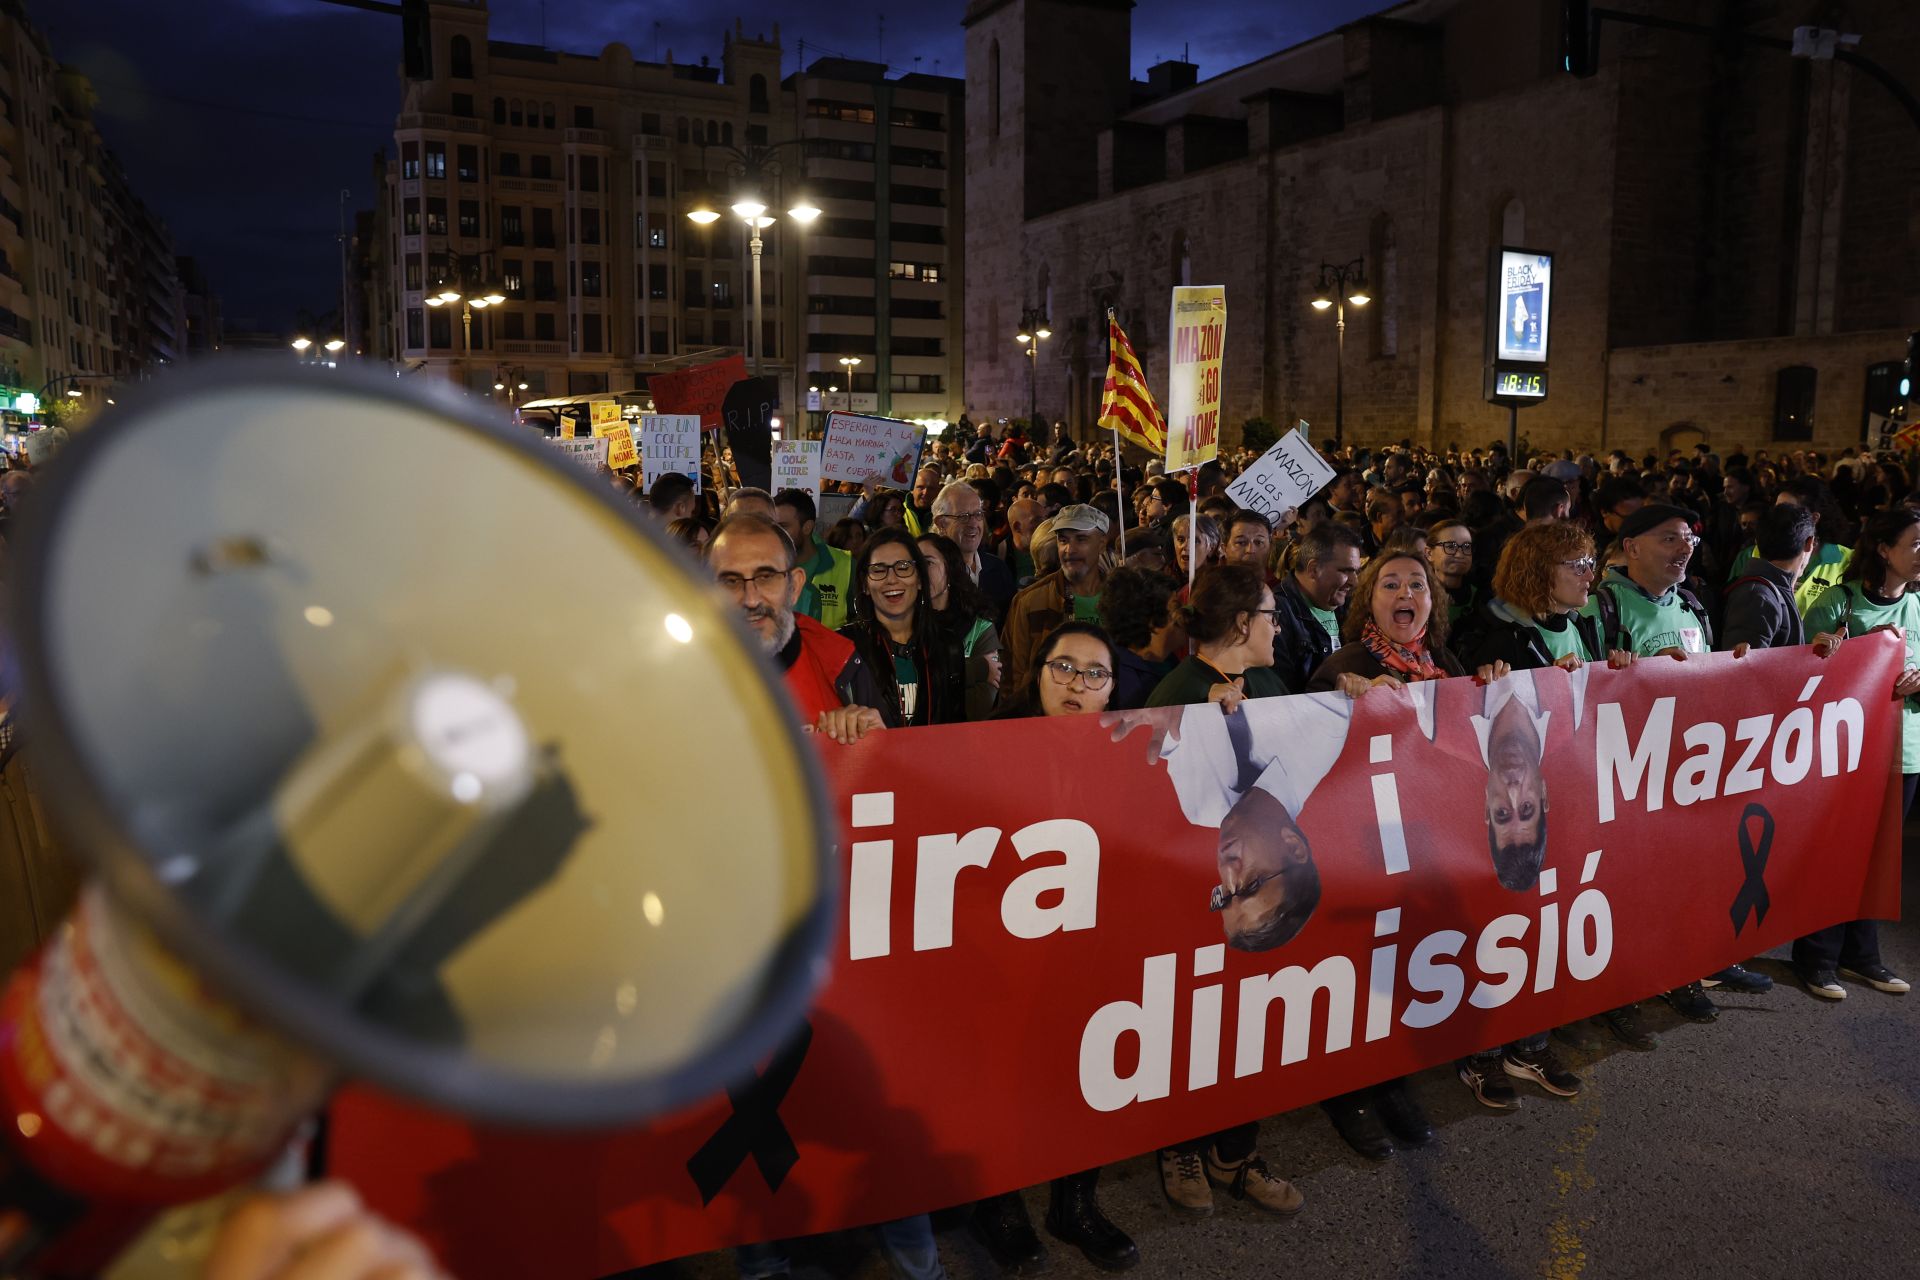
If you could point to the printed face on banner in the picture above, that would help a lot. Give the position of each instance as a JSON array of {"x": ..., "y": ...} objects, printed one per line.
[
  {"x": 1199, "y": 328},
  {"x": 1526, "y": 297}
]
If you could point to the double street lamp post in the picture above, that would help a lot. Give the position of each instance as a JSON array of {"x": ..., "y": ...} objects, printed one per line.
[
  {"x": 753, "y": 170},
  {"x": 1339, "y": 286},
  {"x": 1034, "y": 330},
  {"x": 471, "y": 297}
]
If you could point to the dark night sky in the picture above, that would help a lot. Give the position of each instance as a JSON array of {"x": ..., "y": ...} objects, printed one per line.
[{"x": 242, "y": 123}]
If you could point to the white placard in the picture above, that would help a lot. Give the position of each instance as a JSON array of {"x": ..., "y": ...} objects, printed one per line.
[
  {"x": 670, "y": 442},
  {"x": 796, "y": 465},
  {"x": 1283, "y": 477},
  {"x": 859, "y": 448},
  {"x": 587, "y": 451}
]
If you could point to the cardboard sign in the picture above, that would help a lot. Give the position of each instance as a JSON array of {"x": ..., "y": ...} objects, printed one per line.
[
  {"x": 701, "y": 391},
  {"x": 796, "y": 465},
  {"x": 748, "y": 413},
  {"x": 669, "y": 442},
  {"x": 859, "y": 448},
  {"x": 622, "y": 449},
  {"x": 589, "y": 452},
  {"x": 605, "y": 416},
  {"x": 1283, "y": 478},
  {"x": 1199, "y": 328}
]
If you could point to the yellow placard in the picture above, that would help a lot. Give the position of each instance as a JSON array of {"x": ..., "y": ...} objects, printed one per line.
[
  {"x": 1199, "y": 329},
  {"x": 621, "y": 451},
  {"x": 605, "y": 416}
]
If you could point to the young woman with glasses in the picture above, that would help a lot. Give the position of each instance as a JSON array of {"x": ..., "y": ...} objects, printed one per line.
[{"x": 919, "y": 666}]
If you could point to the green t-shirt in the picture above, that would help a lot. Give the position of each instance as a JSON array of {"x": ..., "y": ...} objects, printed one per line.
[
  {"x": 1650, "y": 623},
  {"x": 1328, "y": 620},
  {"x": 1849, "y": 604},
  {"x": 1823, "y": 570},
  {"x": 1563, "y": 641},
  {"x": 906, "y": 674},
  {"x": 1189, "y": 683},
  {"x": 1086, "y": 608}
]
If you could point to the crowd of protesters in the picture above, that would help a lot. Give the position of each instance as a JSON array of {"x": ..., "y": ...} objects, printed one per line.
[{"x": 1015, "y": 578}]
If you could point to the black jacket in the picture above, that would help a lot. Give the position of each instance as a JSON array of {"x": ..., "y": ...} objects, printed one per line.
[
  {"x": 1300, "y": 643},
  {"x": 996, "y": 582},
  {"x": 1492, "y": 634},
  {"x": 943, "y": 674},
  {"x": 1760, "y": 610}
]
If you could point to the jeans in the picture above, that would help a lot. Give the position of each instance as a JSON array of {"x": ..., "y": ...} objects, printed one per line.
[
  {"x": 1231, "y": 1145},
  {"x": 907, "y": 1242},
  {"x": 1527, "y": 1045}
]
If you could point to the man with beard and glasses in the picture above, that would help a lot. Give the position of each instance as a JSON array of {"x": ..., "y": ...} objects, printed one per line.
[{"x": 753, "y": 560}]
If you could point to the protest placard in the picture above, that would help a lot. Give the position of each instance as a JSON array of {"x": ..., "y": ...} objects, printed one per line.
[
  {"x": 1199, "y": 328},
  {"x": 622, "y": 450},
  {"x": 669, "y": 442},
  {"x": 588, "y": 451},
  {"x": 796, "y": 465},
  {"x": 605, "y": 416},
  {"x": 859, "y": 448},
  {"x": 1283, "y": 478},
  {"x": 701, "y": 391}
]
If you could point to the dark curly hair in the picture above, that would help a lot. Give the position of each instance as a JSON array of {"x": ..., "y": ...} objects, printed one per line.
[{"x": 1133, "y": 604}]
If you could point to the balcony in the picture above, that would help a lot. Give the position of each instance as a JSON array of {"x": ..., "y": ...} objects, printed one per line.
[
  {"x": 533, "y": 348},
  {"x": 585, "y": 137}
]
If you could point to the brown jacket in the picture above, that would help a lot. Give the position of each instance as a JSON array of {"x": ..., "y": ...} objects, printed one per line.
[{"x": 1034, "y": 612}]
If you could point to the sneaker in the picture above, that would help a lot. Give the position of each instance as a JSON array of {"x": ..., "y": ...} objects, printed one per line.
[
  {"x": 1627, "y": 1028},
  {"x": 1250, "y": 1180},
  {"x": 1879, "y": 977},
  {"x": 1691, "y": 1003},
  {"x": 1737, "y": 977},
  {"x": 1824, "y": 983},
  {"x": 1488, "y": 1084},
  {"x": 1544, "y": 1069},
  {"x": 1185, "y": 1182}
]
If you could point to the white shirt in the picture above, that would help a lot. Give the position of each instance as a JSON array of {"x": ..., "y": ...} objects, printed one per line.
[
  {"x": 1519, "y": 686},
  {"x": 1295, "y": 741}
]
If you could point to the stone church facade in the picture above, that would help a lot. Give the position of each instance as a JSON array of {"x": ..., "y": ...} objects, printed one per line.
[{"x": 1736, "y": 230}]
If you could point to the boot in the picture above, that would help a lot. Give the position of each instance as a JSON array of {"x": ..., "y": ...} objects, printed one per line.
[
  {"x": 1001, "y": 1224},
  {"x": 1074, "y": 1217}
]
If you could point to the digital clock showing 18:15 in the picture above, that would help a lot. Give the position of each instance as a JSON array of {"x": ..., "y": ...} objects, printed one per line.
[{"x": 1527, "y": 386}]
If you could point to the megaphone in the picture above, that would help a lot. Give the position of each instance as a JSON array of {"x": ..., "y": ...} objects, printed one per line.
[{"x": 400, "y": 748}]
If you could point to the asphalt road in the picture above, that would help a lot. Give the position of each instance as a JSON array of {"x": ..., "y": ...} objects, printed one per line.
[{"x": 1782, "y": 1140}]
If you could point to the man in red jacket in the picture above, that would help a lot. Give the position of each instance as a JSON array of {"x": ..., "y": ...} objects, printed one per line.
[{"x": 754, "y": 561}]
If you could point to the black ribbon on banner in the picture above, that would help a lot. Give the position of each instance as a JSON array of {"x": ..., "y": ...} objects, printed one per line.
[
  {"x": 1753, "y": 860},
  {"x": 755, "y": 1128}
]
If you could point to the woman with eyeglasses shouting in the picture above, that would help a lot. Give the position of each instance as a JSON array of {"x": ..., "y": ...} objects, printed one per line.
[
  {"x": 919, "y": 667},
  {"x": 1072, "y": 675}
]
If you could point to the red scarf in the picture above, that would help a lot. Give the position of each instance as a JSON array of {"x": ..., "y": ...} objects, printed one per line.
[{"x": 1412, "y": 662}]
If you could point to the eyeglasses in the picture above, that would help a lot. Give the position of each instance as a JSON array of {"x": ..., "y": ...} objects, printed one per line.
[
  {"x": 763, "y": 582},
  {"x": 1223, "y": 897},
  {"x": 1271, "y": 615},
  {"x": 1580, "y": 567},
  {"x": 1454, "y": 548},
  {"x": 1685, "y": 537},
  {"x": 1063, "y": 672},
  {"x": 898, "y": 569},
  {"x": 964, "y": 517}
]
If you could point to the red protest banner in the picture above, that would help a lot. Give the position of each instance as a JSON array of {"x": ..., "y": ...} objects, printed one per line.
[
  {"x": 701, "y": 390},
  {"x": 1043, "y": 961}
]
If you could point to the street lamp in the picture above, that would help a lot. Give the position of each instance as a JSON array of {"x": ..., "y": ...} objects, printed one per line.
[
  {"x": 477, "y": 298},
  {"x": 1338, "y": 287},
  {"x": 753, "y": 167},
  {"x": 301, "y": 344},
  {"x": 1034, "y": 330}
]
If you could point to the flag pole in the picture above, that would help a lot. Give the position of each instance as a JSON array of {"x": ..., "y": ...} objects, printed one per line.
[{"x": 1120, "y": 493}]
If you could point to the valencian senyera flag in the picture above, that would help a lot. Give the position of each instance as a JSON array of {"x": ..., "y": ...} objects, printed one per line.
[{"x": 1126, "y": 405}]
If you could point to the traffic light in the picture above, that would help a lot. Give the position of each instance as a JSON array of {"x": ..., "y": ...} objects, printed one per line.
[{"x": 1579, "y": 38}]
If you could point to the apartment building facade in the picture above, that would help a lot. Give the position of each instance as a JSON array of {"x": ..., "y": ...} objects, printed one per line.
[
  {"x": 562, "y": 182},
  {"x": 89, "y": 292}
]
